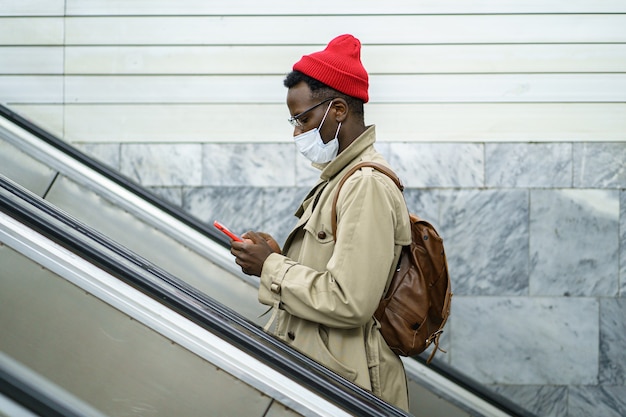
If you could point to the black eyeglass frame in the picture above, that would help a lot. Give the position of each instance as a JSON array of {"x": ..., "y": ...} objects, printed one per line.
[{"x": 294, "y": 119}]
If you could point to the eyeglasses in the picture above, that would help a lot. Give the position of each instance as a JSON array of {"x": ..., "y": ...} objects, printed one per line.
[{"x": 294, "y": 120}]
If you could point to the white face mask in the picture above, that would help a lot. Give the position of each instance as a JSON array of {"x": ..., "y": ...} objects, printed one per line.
[{"x": 311, "y": 145}]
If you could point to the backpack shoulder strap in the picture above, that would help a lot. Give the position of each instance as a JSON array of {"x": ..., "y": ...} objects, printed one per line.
[{"x": 379, "y": 167}]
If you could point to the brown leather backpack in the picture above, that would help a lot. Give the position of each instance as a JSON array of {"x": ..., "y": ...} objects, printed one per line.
[{"x": 414, "y": 310}]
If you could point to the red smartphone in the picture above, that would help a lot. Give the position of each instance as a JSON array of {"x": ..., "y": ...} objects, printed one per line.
[{"x": 227, "y": 232}]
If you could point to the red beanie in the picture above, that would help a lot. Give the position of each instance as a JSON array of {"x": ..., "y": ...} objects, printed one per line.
[{"x": 338, "y": 66}]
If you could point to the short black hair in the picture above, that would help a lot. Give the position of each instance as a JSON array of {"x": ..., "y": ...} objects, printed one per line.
[{"x": 323, "y": 91}]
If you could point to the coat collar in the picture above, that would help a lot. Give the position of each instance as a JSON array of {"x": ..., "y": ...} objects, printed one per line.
[{"x": 360, "y": 144}]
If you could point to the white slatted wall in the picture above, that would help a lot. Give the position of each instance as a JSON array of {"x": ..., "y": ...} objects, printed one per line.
[{"x": 198, "y": 71}]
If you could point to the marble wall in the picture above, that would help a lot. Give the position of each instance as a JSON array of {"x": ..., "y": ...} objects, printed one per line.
[{"x": 535, "y": 235}]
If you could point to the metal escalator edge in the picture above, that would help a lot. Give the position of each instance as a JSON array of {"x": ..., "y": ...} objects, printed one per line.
[{"x": 161, "y": 289}]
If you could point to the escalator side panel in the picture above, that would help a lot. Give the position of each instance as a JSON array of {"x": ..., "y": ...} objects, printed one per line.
[
  {"x": 105, "y": 357},
  {"x": 24, "y": 393},
  {"x": 424, "y": 403},
  {"x": 278, "y": 410},
  {"x": 152, "y": 244},
  {"x": 24, "y": 169}
]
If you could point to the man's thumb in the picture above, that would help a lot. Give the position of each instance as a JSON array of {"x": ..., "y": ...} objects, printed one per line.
[{"x": 253, "y": 236}]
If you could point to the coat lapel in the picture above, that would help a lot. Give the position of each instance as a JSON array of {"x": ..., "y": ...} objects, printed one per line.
[{"x": 305, "y": 210}]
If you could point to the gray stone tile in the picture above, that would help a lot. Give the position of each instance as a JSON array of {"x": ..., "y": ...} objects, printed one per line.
[
  {"x": 425, "y": 204},
  {"x": 604, "y": 401},
  {"x": 530, "y": 165},
  {"x": 280, "y": 205},
  {"x": 306, "y": 174},
  {"x": 239, "y": 208},
  {"x": 107, "y": 153},
  {"x": 622, "y": 242},
  {"x": 542, "y": 400},
  {"x": 613, "y": 341},
  {"x": 486, "y": 240},
  {"x": 574, "y": 242},
  {"x": 249, "y": 164},
  {"x": 526, "y": 341},
  {"x": 161, "y": 165},
  {"x": 173, "y": 195},
  {"x": 384, "y": 148},
  {"x": 600, "y": 165},
  {"x": 439, "y": 164}
]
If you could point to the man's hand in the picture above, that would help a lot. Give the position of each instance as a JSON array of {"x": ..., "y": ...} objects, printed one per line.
[
  {"x": 270, "y": 241},
  {"x": 251, "y": 254}
]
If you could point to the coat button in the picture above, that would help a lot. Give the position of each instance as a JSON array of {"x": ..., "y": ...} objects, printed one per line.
[
  {"x": 291, "y": 335},
  {"x": 321, "y": 235}
]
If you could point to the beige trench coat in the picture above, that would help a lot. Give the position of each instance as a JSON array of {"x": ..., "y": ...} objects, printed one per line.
[{"x": 326, "y": 292}]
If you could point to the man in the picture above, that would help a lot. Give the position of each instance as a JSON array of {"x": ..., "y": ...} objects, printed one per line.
[{"x": 325, "y": 290}]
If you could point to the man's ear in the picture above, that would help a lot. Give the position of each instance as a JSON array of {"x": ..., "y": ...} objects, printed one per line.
[{"x": 341, "y": 109}]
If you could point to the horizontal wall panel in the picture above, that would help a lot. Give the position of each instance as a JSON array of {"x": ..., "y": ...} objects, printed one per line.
[
  {"x": 500, "y": 88},
  {"x": 502, "y": 122},
  {"x": 31, "y": 31},
  {"x": 31, "y": 60},
  {"x": 383, "y": 88},
  {"x": 395, "y": 122},
  {"x": 378, "y": 59},
  {"x": 411, "y": 29},
  {"x": 513, "y": 58},
  {"x": 252, "y": 7},
  {"x": 177, "y": 123},
  {"x": 32, "y": 8},
  {"x": 182, "y": 59},
  {"x": 31, "y": 89},
  {"x": 174, "y": 89}
]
